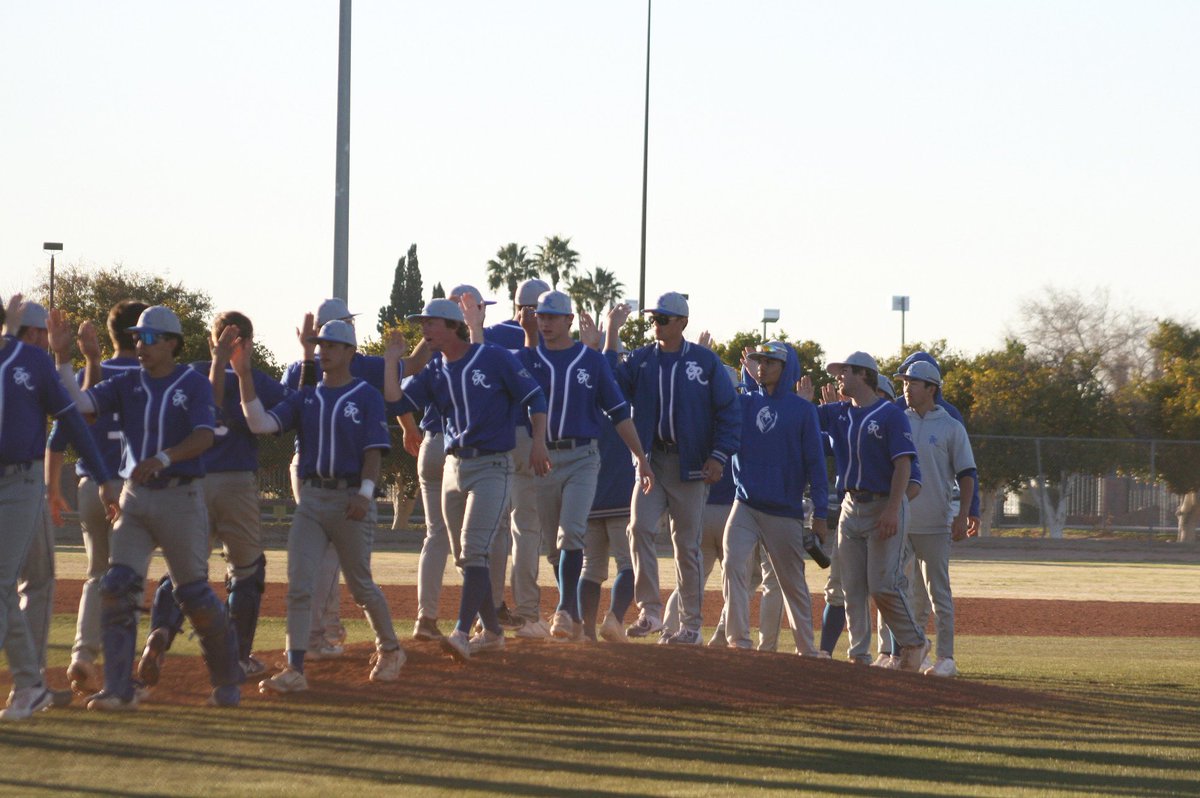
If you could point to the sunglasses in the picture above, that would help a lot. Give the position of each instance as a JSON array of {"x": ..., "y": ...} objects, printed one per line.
[
  {"x": 149, "y": 337},
  {"x": 661, "y": 320}
]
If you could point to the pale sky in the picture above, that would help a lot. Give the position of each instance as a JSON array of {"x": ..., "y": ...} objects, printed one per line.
[{"x": 815, "y": 158}]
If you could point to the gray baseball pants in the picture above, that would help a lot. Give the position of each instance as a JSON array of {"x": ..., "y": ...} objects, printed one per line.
[
  {"x": 873, "y": 568},
  {"x": 933, "y": 556},
  {"x": 770, "y": 605},
  {"x": 783, "y": 539},
  {"x": 474, "y": 497},
  {"x": 22, "y": 502},
  {"x": 435, "y": 548},
  {"x": 564, "y": 496},
  {"x": 605, "y": 536},
  {"x": 96, "y": 534},
  {"x": 528, "y": 534},
  {"x": 37, "y": 584},
  {"x": 325, "y": 625},
  {"x": 684, "y": 504},
  {"x": 320, "y": 520},
  {"x": 234, "y": 518},
  {"x": 712, "y": 537}
]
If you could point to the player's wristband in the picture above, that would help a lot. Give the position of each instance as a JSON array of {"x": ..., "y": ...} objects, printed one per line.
[
  {"x": 367, "y": 491},
  {"x": 163, "y": 458}
]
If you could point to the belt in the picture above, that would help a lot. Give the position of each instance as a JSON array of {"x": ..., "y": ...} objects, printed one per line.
[
  {"x": 865, "y": 496},
  {"x": 333, "y": 484},
  {"x": 159, "y": 483},
  {"x": 568, "y": 443},
  {"x": 15, "y": 468},
  {"x": 469, "y": 452},
  {"x": 666, "y": 446}
]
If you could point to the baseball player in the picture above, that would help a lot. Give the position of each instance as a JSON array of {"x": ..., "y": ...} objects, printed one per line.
[
  {"x": 341, "y": 436},
  {"x": 875, "y": 456},
  {"x": 29, "y": 392},
  {"x": 945, "y": 454},
  {"x": 165, "y": 412},
  {"x": 579, "y": 388},
  {"x": 522, "y": 527},
  {"x": 780, "y": 453},
  {"x": 232, "y": 501},
  {"x": 83, "y": 672},
  {"x": 685, "y": 408},
  {"x": 478, "y": 389},
  {"x": 328, "y": 633}
]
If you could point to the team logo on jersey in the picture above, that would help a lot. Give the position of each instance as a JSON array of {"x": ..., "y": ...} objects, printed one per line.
[
  {"x": 23, "y": 378},
  {"x": 179, "y": 399},
  {"x": 695, "y": 372},
  {"x": 352, "y": 412},
  {"x": 583, "y": 378},
  {"x": 933, "y": 440},
  {"x": 873, "y": 429},
  {"x": 766, "y": 419},
  {"x": 479, "y": 379}
]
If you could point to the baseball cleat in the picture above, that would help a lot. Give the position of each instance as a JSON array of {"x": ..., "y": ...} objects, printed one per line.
[
  {"x": 149, "y": 667},
  {"x": 562, "y": 626},
  {"x": 718, "y": 640},
  {"x": 508, "y": 619},
  {"x": 683, "y": 637},
  {"x": 23, "y": 702},
  {"x": 612, "y": 630},
  {"x": 387, "y": 665},
  {"x": 911, "y": 657},
  {"x": 885, "y": 661},
  {"x": 823, "y": 654},
  {"x": 860, "y": 659},
  {"x": 85, "y": 677},
  {"x": 644, "y": 626},
  {"x": 486, "y": 641},
  {"x": 533, "y": 630},
  {"x": 105, "y": 701},
  {"x": 943, "y": 667},
  {"x": 228, "y": 696},
  {"x": 426, "y": 629},
  {"x": 325, "y": 651},
  {"x": 286, "y": 681},
  {"x": 60, "y": 698},
  {"x": 457, "y": 645},
  {"x": 253, "y": 667}
]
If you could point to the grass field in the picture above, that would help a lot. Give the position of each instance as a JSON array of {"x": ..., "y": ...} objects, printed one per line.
[{"x": 1095, "y": 716}]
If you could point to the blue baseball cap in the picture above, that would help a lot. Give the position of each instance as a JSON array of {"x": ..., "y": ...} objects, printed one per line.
[
  {"x": 441, "y": 309},
  {"x": 554, "y": 303}
]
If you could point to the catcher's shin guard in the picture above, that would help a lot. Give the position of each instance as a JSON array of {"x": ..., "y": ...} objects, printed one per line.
[
  {"x": 165, "y": 612},
  {"x": 218, "y": 640},
  {"x": 120, "y": 595},
  {"x": 246, "y": 587}
]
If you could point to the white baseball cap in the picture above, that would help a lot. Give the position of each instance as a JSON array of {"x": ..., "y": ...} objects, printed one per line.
[
  {"x": 34, "y": 315},
  {"x": 334, "y": 308},
  {"x": 529, "y": 291},
  {"x": 554, "y": 303},
  {"x": 158, "y": 319},
  {"x": 336, "y": 332},
  {"x": 671, "y": 303},
  {"x": 464, "y": 289},
  {"x": 921, "y": 370},
  {"x": 440, "y": 309},
  {"x": 885, "y": 385},
  {"x": 860, "y": 359}
]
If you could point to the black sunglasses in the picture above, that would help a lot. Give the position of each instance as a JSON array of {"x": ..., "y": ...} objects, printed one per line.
[{"x": 661, "y": 320}]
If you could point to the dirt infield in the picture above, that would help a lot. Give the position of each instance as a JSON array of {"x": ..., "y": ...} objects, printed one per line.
[{"x": 973, "y": 616}]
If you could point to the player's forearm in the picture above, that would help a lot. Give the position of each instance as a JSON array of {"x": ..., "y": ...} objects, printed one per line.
[
  {"x": 82, "y": 401},
  {"x": 372, "y": 465},
  {"x": 392, "y": 392},
  {"x": 901, "y": 471},
  {"x": 92, "y": 372},
  {"x": 629, "y": 435},
  {"x": 258, "y": 419},
  {"x": 195, "y": 444},
  {"x": 53, "y": 470},
  {"x": 537, "y": 424},
  {"x": 966, "y": 487},
  {"x": 417, "y": 358},
  {"x": 216, "y": 376}
]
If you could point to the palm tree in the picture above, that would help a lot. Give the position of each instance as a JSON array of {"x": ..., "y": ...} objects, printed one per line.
[
  {"x": 510, "y": 267},
  {"x": 582, "y": 292},
  {"x": 607, "y": 290},
  {"x": 556, "y": 259}
]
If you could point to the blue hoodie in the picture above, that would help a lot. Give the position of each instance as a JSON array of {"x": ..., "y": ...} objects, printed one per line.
[
  {"x": 782, "y": 450},
  {"x": 951, "y": 409}
]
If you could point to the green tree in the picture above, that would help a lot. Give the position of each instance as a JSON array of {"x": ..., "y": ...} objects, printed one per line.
[
  {"x": 406, "y": 292},
  {"x": 510, "y": 268},
  {"x": 556, "y": 260},
  {"x": 438, "y": 292},
  {"x": 604, "y": 291},
  {"x": 582, "y": 292}
]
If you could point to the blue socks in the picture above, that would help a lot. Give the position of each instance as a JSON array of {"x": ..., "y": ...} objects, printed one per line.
[
  {"x": 295, "y": 659},
  {"x": 570, "y": 566},
  {"x": 589, "y": 605},
  {"x": 832, "y": 624},
  {"x": 477, "y": 600},
  {"x": 622, "y": 594}
]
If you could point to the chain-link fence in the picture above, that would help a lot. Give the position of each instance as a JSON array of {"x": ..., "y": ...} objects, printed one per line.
[{"x": 1095, "y": 485}]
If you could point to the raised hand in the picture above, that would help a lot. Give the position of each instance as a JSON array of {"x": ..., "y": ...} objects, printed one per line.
[
  {"x": 396, "y": 347},
  {"x": 705, "y": 339},
  {"x": 306, "y": 332},
  {"x": 589, "y": 334},
  {"x": 618, "y": 315},
  {"x": 89, "y": 341},
  {"x": 61, "y": 336},
  {"x": 829, "y": 394},
  {"x": 12, "y": 314},
  {"x": 225, "y": 344},
  {"x": 240, "y": 353},
  {"x": 804, "y": 388}
]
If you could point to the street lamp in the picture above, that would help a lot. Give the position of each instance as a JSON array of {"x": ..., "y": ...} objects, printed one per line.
[
  {"x": 770, "y": 316},
  {"x": 900, "y": 303},
  {"x": 52, "y": 247}
]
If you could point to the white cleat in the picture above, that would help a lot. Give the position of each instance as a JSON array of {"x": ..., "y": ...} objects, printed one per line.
[
  {"x": 486, "y": 641},
  {"x": 457, "y": 645},
  {"x": 286, "y": 681},
  {"x": 23, "y": 702},
  {"x": 387, "y": 665},
  {"x": 564, "y": 628},
  {"x": 533, "y": 630},
  {"x": 886, "y": 661},
  {"x": 612, "y": 630},
  {"x": 944, "y": 667}
]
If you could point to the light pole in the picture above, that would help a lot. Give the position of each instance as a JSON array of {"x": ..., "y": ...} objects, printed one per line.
[
  {"x": 52, "y": 247},
  {"x": 645, "y": 167},
  {"x": 341, "y": 194},
  {"x": 770, "y": 316},
  {"x": 900, "y": 303}
]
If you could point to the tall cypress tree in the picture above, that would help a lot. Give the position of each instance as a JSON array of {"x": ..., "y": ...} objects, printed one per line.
[{"x": 406, "y": 292}]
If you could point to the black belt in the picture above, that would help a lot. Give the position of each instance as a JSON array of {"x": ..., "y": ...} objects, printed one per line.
[
  {"x": 666, "y": 446},
  {"x": 470, "y": 452},
  {"x": 333, "y": 484},
  {"x": 865, "y": 496},
  {"x": 15, "y": 468},
  {"x": 159, "y": 483},
  {"x": 568, "y": 443}
]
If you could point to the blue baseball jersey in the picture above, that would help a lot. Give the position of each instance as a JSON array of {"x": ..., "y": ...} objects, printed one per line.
[
  {"x": 479, "y": 396},
  {"x": 782, "y": 453},
  {"x": 614, "y": 485},
  {"x": 235, "y": 447},
  {"x": 30, "y": 390},
  {"x": 866, "y": 441},
  {"x": 105, "y": 430},
  {"x": 579, "y": 388},
  {"x": 508, "y": 334},
  {"x": 334, "y": 427},
  {"x": 157, "y": 413},
  {"x": 368, "y": 368}
]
